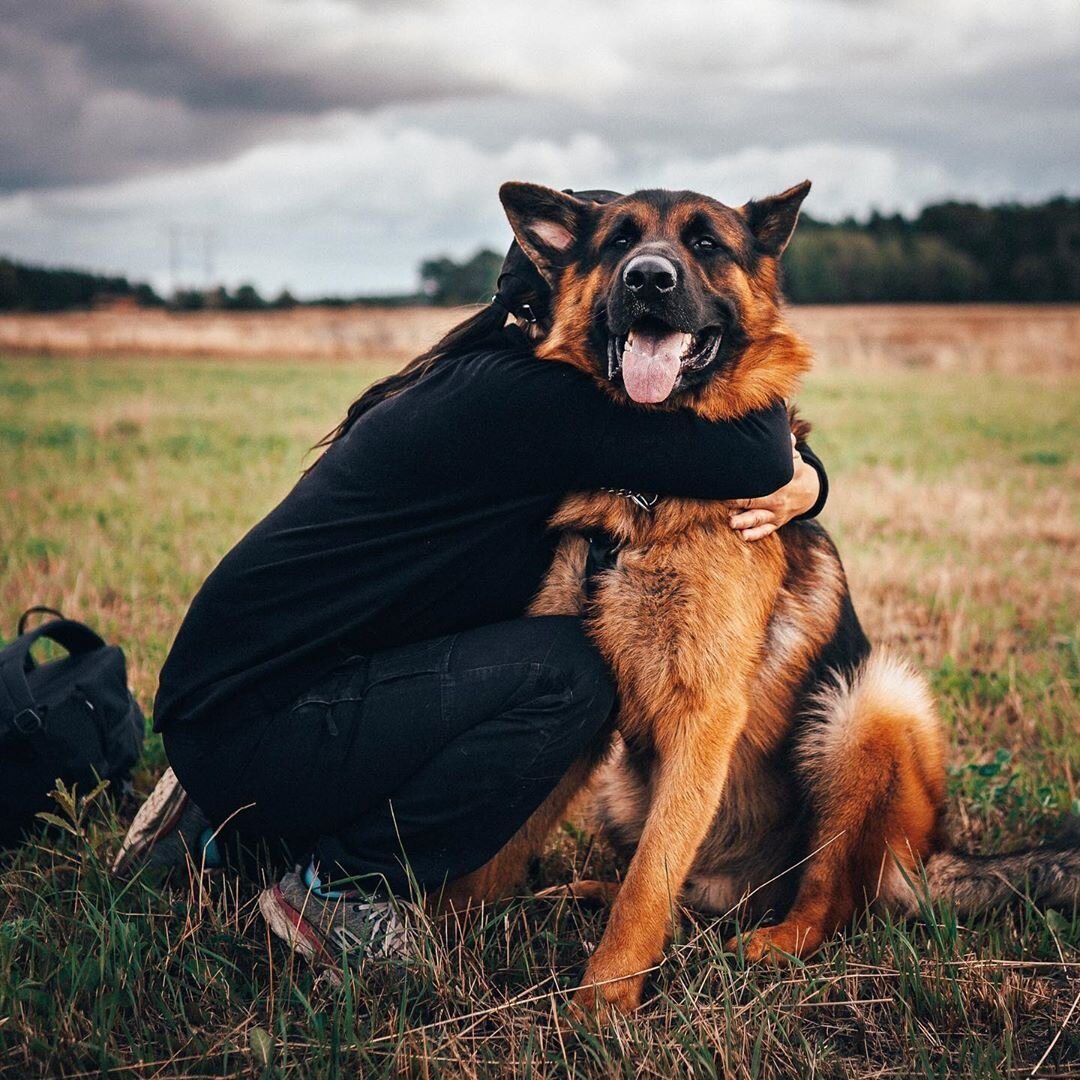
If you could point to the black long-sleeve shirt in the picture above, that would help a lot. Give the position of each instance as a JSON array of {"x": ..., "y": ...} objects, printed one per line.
[{"x": 429, "y": 517}]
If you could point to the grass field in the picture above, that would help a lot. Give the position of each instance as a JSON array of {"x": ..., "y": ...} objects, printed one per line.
[{"x": 956, "y": 505}]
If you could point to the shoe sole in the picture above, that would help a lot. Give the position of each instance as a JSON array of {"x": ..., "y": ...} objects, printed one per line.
[
  {"x": 290, "y": 925},
  {"x": 159, "y": 815}
]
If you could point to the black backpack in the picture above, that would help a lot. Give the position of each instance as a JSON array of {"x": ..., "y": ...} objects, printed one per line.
[{"x": 72, "y": 719}]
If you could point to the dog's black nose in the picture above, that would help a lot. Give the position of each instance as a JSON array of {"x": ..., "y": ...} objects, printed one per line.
[{"x": 645, "y": 273}]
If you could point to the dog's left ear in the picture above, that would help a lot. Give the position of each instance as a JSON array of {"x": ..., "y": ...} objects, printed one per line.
[
  {"x": 772, "y": 220},
  {"x": 547, "y": 223}
]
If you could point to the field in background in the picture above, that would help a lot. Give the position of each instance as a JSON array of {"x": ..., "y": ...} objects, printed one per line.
[
  {"x": 1017, "y": 339},
  {"x": 952, "y": 441},
  {"x": 383, "y": 335}
]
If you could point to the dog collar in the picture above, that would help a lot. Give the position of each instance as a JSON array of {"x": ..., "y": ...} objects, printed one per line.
[{"x": 640, "y": 499}]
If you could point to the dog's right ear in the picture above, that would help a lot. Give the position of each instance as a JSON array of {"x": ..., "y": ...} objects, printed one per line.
[{"x": 547, "y": 223}]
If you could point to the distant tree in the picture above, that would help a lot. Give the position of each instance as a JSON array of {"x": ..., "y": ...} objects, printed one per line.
[
  {"x": 216, "y": 298},
  {"x": 284, "y": 301},
  {"x": 188, "y": 300},
  {"x": 937, "y": 271},
  {"x": 9, "y": 286},
  {"x": 471, "y": 282},
  {"x": 829, "y": 265},
  {"x": 1026, "y": 252},
  {"x": 246, "y": 298},
  {"x": 146, "y": 297},
  {"x": 37, "y": 288},
  {"x": 887, "y": 260}
]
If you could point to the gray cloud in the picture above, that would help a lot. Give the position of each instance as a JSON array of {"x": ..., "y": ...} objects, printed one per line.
[
  {"x": 333, "y": 143},
  {"x": 188, "y": 53},
  {"x": 106, "y": 88}
]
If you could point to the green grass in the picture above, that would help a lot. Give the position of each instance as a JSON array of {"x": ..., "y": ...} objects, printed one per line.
[{"x": 955, "y": 504}]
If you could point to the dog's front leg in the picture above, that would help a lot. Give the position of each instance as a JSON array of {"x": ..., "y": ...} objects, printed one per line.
[{"x": 694, "y": 753}]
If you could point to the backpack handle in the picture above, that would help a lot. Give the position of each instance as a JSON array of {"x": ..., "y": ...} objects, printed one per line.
[
  {"x": 37, "y": 610},
  {"x": 18, "y": 709}
]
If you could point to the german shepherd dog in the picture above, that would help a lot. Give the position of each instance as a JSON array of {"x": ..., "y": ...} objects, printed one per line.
[{"x": 767, "y": 756}]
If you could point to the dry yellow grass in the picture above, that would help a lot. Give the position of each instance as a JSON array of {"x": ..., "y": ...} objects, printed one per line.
[
  {"x": 1011, "y": 339},
  {"x": 1015, "y": 339},
  {"x": 392, "y": 334}
]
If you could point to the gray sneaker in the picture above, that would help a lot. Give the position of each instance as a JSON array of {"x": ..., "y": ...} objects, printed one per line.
[
  {"x": 329, "y": 931},
  {"x": 167, "y": 832}
]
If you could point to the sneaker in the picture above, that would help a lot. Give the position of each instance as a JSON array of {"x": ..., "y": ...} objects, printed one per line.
[
  {"x": 329, "y": 928},
  {"x": 168, "y": 831}
]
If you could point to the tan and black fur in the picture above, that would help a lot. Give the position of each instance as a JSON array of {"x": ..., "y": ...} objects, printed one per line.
[{"x": 767, "y": 759}]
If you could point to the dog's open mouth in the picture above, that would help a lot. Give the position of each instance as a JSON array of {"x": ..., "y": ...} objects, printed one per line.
[{"x": 652, "y": 356}]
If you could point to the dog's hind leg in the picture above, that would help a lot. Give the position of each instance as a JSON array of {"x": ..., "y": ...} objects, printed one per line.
[{"x": 873, "y": 764}]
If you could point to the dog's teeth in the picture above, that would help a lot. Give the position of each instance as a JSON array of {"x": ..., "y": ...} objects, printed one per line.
[{"x": 629, "y": 340}]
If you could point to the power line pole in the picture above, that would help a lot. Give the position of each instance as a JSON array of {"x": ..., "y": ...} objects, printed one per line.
[
  {"x": 209, "y": 238},
  {"x": 174, "y": 258}
]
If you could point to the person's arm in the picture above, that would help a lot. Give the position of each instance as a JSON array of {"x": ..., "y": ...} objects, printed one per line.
[
  {"x": 574, "y": 437},
  {"x": 814, "y": 462},
  {"x": 678, "y": 453}
]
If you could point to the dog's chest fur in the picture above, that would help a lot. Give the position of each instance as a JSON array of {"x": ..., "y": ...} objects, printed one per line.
[
  {"x": 676, "y": 621},
  {"x": 672, "y": 615}
]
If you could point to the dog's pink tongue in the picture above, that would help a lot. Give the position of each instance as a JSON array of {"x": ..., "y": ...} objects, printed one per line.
[{"x": 650, "y": 366}]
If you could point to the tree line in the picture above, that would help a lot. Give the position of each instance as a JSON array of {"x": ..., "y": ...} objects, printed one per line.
[
  {"x": 949, "y": 252},
  {"x": 39, "y": 288}
]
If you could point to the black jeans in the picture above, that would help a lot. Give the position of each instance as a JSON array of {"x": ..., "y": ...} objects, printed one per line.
[{"x": 421, "y": 760}]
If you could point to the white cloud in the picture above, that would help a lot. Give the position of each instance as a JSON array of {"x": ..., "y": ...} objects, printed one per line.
[
  {"x": 355, "y": 206},
  {"x": 848, "y": 179}
]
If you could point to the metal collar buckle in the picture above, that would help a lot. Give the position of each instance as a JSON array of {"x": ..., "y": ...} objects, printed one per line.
[{"x": 640, "y": 499}]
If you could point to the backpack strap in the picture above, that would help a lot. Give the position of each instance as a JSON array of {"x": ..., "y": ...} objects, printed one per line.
[
  {"x": 19, "y": 712},
  {"x": 36, "y": 610}
]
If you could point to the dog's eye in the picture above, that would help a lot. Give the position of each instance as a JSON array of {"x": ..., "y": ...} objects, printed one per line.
[
  {"x": 621, "y": 242},
  {"x": 705, "y": 243}
]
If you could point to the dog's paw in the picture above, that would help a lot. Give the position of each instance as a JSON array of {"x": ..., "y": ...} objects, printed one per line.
[
  {"x": 780, "y": 944},
  {"x": 601, "y": 992},
  {"x": 586, "y": 1011}
]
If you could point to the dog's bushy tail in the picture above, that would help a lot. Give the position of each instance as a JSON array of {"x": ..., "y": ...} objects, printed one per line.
[{"x": 1049, "y": 876}]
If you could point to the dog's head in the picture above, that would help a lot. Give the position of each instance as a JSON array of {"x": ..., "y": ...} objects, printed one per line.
[{"x": 668, "y": 297}]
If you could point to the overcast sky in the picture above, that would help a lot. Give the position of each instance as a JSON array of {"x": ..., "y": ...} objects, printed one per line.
[{"x": 330, "y": 145}]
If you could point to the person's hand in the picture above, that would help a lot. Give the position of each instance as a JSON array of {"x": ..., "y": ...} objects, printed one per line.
[{"x": 757, "y": 518}]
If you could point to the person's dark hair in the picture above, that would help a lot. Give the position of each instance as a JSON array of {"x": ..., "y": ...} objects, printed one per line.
[{"x": 520, "y": 292}]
